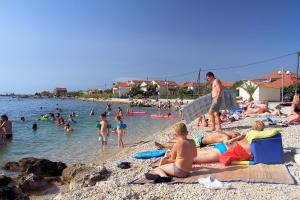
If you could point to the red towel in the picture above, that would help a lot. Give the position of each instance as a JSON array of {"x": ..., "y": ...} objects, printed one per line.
[{"x": 233, "y": 154}]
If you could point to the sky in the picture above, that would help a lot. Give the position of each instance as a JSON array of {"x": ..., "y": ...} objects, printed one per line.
[{"x": 86, "y": 44}]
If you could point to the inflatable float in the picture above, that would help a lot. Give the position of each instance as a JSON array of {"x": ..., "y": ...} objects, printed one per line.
[
  {"x": 150, "y": 154},
  {"x": 162, "y": 116},
  {"x": 130, "y": 114}
]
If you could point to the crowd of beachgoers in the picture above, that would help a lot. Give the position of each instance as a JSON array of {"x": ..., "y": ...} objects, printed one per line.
[{"x": 225, "y": 134}]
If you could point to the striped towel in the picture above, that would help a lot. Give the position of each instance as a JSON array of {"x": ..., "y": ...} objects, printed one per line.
[{"x": 201, "y": 105}]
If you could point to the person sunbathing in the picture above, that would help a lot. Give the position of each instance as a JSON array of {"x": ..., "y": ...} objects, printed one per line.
[
  {"x": 276, "y": 112},
  {"x": 213, "y": 138},
  {"x": 183, "y": 153},
  {"x": 213, "y": 155},
  {"x": 295, "y": 110}
]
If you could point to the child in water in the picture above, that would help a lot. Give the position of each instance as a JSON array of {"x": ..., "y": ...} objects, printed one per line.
[
  {"x": 68, "y": 128},
  {"x": 103, "y": 130},
  {"x": 120, "y": 130}
]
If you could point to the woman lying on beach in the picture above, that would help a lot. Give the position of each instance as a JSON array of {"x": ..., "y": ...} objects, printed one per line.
[
  {"x": 213, "y": 155},
  {"x": 294, "y": 117},
  {"x": 181, "y": 158},
  {"x": 213, "y": 138}
]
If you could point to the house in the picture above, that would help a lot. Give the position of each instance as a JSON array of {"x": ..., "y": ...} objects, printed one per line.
[
  {"x": 92, "y": 91},
  {"x": 165, "y": 87},
  {"x": 121, "y": 88},
  {"x": 227, "y": 84},
  {"x": 60, "y": 91},
  {"x": 45, "y": 94},
  {"x": 191, "y": 86},
  {"x": 269, "y": 86},
  {"x": 144, "y": 85}
]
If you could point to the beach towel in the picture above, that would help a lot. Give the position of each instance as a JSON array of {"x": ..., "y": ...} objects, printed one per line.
[
  {"x": 201, "y": 105},
  {"x": 150, "y": 154},
  {"x": 259, "y": 173},
  {"x": 237, "y": 153}
]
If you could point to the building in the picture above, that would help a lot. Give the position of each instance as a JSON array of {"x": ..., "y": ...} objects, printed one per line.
[
  {"x": 227, "y": 84},
  {"x": 269, "y": 86},
  {"x": 165, "y": 87},
  {"x": 92, "y": 91},
  {"x": 121, "y": 89},
  {"x": 60, "y": 91},
  {"x": 45, "y": 94},
  {"x": 191, "y": 86}
]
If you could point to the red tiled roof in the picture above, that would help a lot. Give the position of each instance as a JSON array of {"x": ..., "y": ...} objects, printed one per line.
[
  {"x": 190, "y": 84},
  {"x": 275, "y": 75},
  {"x": 227, "y": 84},
  {"x": 287, "y": 81},
  {"x": 165, "y": 83},
  {"x": 122, "y": 84},
  {"x": 61, "y": 89}
]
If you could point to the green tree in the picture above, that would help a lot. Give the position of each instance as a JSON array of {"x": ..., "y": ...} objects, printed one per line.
[
  {"x": 135, "y": 91},
  {"x": 151, "y": 90},
  {"x": 250, "y": 89}
]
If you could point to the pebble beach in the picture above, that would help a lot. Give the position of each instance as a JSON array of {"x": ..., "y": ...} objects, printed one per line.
[{"x": 117, "y": 187}]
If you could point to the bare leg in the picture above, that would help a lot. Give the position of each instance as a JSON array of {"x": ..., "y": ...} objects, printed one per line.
[
  {"x": 212, "y": 119},
  {"x": 217, "y": 121},
  {"x": 165, "y": 170},
  {"x": 293, "y": 119}
]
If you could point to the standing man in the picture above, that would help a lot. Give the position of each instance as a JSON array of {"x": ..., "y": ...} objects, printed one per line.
[{"x": 213, "y": 112}]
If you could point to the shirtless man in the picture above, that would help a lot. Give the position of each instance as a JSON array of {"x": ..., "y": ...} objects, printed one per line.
[
  {"x": 103, "y": 131},
  {"x": 5, "y": 126},
  {"x": 180, "y": 161},
  {"x": 217, "y": 90}
]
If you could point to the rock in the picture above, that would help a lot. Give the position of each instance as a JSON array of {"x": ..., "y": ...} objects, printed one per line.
[
  {"x": 45, "y": 167},
  {"x": 33, "y": 183},
  {"x": 42, "y": 167},
  {"x": 85, "y": 176},
  {"x": 69, "y": 173},
  {"x": 9, "y": 190},
  {"x": 13, "y": 166},
  {"x": 4, "y": 180}
]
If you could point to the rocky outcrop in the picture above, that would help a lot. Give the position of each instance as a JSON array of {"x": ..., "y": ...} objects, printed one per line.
[
  {"x": 9, "y": 189},
  {"x": 32, "y": 183},
  {"x": 41, "y": 167},
  {"x": 80, "y": 175}
]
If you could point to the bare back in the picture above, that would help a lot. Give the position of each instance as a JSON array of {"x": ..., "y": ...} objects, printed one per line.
[
  {"x": 104, "y": 129},
  {"x": 185, "y": 153}
]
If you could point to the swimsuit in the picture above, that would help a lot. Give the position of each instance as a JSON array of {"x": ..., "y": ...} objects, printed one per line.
[
  {"x": 216, "y": 105},
  {"x": 198, "y": 140},
  {"x": 180, "y": 173},
  {"x": 221, "y": 148}
]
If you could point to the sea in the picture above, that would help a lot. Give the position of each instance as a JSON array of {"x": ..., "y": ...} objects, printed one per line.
[{"x": 82, "y": 145}]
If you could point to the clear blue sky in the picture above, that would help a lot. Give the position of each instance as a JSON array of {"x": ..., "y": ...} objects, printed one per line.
[{"x": 87, "y": 43}]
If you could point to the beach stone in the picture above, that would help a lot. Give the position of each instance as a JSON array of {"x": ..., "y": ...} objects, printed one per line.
[
  {"x": 69, "y": 173},
  {"x": 9, "y": 190},
  {"x": 32, "y": 183},
  {"x": 86, "y": 176},
  {"x": 42, "y": 167},
  {"x": 297, "y": 158}
]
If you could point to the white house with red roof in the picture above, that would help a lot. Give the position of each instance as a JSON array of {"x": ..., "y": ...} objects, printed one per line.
[
  {"x": 121, "y": 88},
  {"x": 165, "y": 87},
  {"x": 269, "y": 86},
  {"x": 60, "y": 91}
]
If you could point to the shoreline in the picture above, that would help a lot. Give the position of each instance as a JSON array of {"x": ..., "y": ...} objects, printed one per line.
[{"x": 242, "y": 190}]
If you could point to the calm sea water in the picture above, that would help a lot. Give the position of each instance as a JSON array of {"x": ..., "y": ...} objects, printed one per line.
[{"x": 51, "y": 142}]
